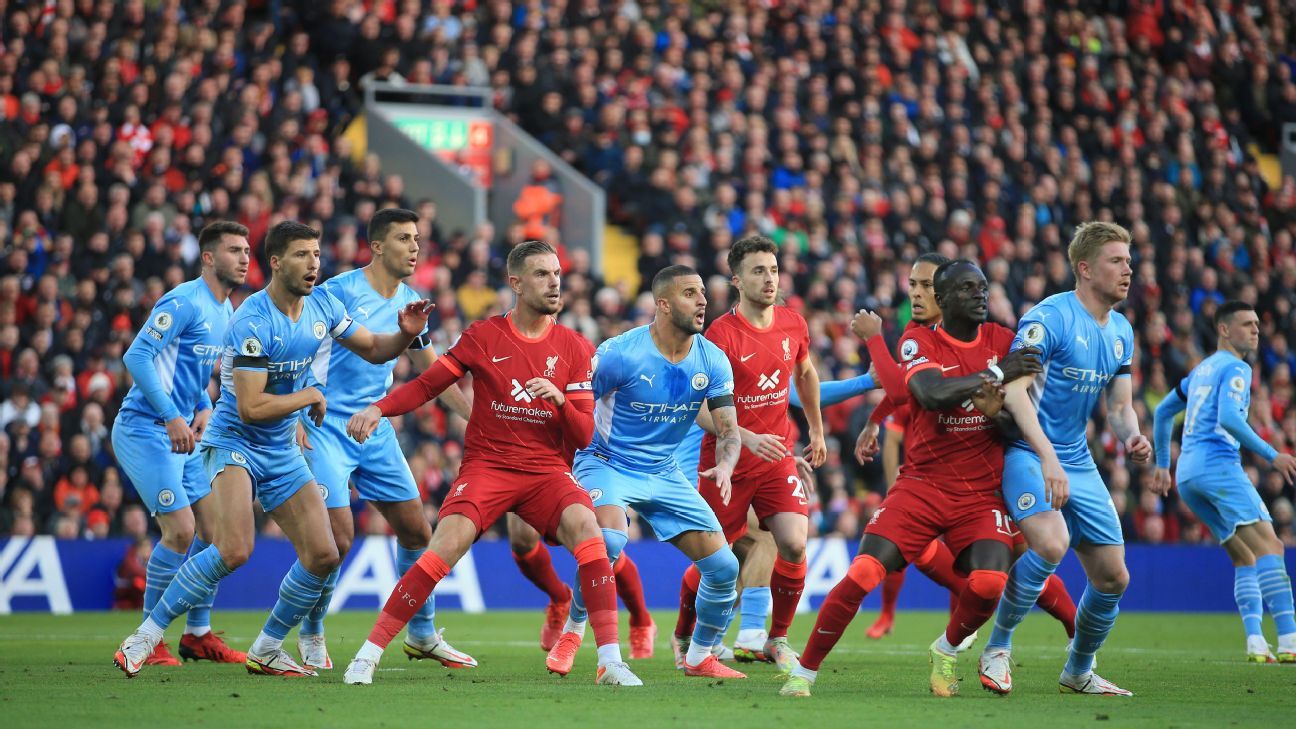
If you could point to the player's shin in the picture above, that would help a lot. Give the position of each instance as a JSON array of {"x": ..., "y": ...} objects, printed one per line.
[
  {"x": 786, "y": 585},
  {"x": 298, "y": 594},
  {"x": 1025, "y": 583},
  {"x": 717, "y": 592},
  {"x": 405, "y": 600},
  {"x": 937, "y": 562},
  {"x": 1056, "y": 601},
  {"x": 687, "y": 619},
  {"x": 313, "y": 623},
  {"x": 537, "y": 566},
  {"x": 195, "y": 579},
  {"x": 1094, "y": 620},
  {"x": 598, "y": 592},
  {"x": 422, "y": 625},
  {"x": 975, "y": 606},
  {"x": 198, "y": 619},
  {"x": 838, "y": 609},
  {"x": 630, "y": 590},
  {"x": 1276, "y": 589},
  {"x": 161, "y": 571}
]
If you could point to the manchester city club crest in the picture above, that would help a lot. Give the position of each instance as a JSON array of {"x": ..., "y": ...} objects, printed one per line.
[
  {"x": 166, "y": 497},
  {"x": 1119, "y": 346},
  {"x": 700, "y": 381},
  {"x": 319, "y": 330}
]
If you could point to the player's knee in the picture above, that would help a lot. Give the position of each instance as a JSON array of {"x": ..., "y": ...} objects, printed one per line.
[
  {"x": 793, "y": 550},
  {"x": 322, "y": 561},
  {"x": 343, "y": 546},
  {"x": 235, "y": 554},
  {"x": 615, "y": 540},
  {"x": 1051, "y": 549},
  {"x": 866, "y": 571},
  {"x": 987, "y": 584},
  {"x": 720, "y": 569},
  {"x": 1113, "y": 583}
]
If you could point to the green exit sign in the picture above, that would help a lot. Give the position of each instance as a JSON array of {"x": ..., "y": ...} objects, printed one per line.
[{"x": 436, "y": 134}]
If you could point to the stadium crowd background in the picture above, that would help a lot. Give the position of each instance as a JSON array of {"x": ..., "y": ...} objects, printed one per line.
[{"x": 855, "y": 133}]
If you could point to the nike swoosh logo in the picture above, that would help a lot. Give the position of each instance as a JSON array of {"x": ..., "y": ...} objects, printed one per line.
[
  {"x": 951, "y": 367},
  {"x": 744, "y": 359},
  {"x": 499, "y": 359},
  {"x": 821, "y": 631}
]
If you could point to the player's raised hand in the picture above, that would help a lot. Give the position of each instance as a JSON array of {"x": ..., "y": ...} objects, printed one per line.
[
  {"x": 364, "y": 423},
  {"x": 414, "y": 316},
  {"x": 866, "y": 445},
  {"x": 1139, "y": 448},
  {"x": 1160, "y": 482},
  {"x": 989, "y": 399},
  {"x": 764, "y": 446},
  {"x": 1286, "y": 465},
  {"x": 723, "y": 478},
  {"x": 1057, "y": 489},
  {"x": 866, "y": 324},
  {"x": 199, "y": 424},
  {"x": 303, "y": 440},
  {"x": 180, "y": 434},
  {"x": 546, "y": 390},
  {"x": 817, "y": 451},
  {"x": 1021, "y": 362}
]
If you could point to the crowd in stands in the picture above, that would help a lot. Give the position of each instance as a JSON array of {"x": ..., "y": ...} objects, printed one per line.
[{"x": 857, "y": 134}]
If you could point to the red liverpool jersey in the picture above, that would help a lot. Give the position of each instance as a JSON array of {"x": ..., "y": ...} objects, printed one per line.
[
  {"x": 763, "y": 361},
  {"x": 955, "y": 449},
  {"x": 510, "y": 428}
]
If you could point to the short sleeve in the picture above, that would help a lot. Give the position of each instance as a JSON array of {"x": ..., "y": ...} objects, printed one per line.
[
  {"x": 464, "y": 354},
  {"x": 720, "y": 377},
  {"x": 246, "y": 338},
  {"x": 1040, "y": 328},
  {"x": 169, "y": 318},
  {"x": 606, "y": 368},
  {"x": 802, "y": 339},
  {"x": 580, "y": 381},
  {"x": 1127, "y": 356},
  {"x": 1235, "y": 383},
  {"x": 918, "y": 352},
  {"x": 340, "y": 323}
]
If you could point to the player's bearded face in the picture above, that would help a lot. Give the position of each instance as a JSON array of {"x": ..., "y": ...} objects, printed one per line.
[
  {"x": 400, "y": 249},
  {"x": 1111, "y": 271},
  {"x": 758, "y": 278},
  {"x": 540, "y": 285},
  {"x": 231, "y": 259},
  {"x": 922, "y": 298},
  {"x": 688, "y": 305},
  {"x": 299, "y": 266}
]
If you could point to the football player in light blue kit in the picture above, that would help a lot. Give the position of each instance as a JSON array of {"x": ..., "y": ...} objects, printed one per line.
[
  {"x": 649, "y": 385},
  {"x": 165, "y": 414},
  {"x": 249, "y": 448},
  {"x": 1058, "y": 498},
  {"x": 374, "y": 296},
  {"x": 1217, "y": 396}
]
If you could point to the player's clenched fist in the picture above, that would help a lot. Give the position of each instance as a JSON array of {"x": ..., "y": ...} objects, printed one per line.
[
  {"x": 1139, "y": 448},
  {"x": 413, "y": 318},
  {"x": 866, "y": 325},
  {"x": 364, "y": 423},
  {"x": 542, "y": 388}
]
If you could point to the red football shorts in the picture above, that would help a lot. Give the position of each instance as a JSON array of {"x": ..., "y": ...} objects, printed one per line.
[
  {"x": 484, "y": 494},
  {"x": 915, "y": 512},
  {"x": 772, "y": 489}
]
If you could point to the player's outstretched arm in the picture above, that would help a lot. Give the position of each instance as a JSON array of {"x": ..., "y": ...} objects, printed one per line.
[
  {"x": 1017, "y": 401},
  {"x": 834, "y": 392},
  {"x": 1163, "y": 424},
  {"x": 255, "y": 405},
  {"x": 1123, "y": 419},
  {"x": 452, "y": 397},
  {"x": 933, "y": 391},
  {"x": 383, "y": 348}
]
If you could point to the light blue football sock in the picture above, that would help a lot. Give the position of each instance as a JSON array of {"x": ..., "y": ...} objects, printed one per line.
[
  {"x": 1025, "y": 583},
  {"x": 1095, "y": 616}
]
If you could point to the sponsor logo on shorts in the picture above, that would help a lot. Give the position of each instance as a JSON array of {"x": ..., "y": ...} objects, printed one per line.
[
  {"x": 700, "y": 381},
  {"x": 595, "y": 494},
  {"x": 238, "y": 457},
  {"x": 319, "y": 330},
  {"x": 1025, "y": 501},
  {"x": 166, "y": 497}
]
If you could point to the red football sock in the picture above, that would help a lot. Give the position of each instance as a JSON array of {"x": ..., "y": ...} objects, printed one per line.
[
  {"x": 891, "y": 592},
  {"x": 537, "y": 566},
  {"x": 411, "y": 592},
  {"x": 1056, "y": 601},
  {"x": 976, "y": 604},
  {"x": 839, "y": 608},
  {"x": 687, "y": 619},
  {"x": 938, "y": 564},
  {"x": 630, "y": 589},
  {"x": 786, "y": 585},
  {"x": 598, "y": 588}
]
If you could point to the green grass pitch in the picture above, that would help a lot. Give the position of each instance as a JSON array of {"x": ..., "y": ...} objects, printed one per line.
[{"x": 1186, "y": 671}]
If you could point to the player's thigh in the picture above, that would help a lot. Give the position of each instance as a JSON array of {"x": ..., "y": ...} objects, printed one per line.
[
  {"x": 342, "y": 523},
  {"x": 673, "y": 507},
  {"x": 779, "y": 490},
  {"x": 909, "y": 518},
  {"x": 790, "y": 531},
  {"x": 558, "y": 507},
  {"x": 144, "y": 453},
  {"x": 758, "y": 563},
  {"x": 383, "y": 474},
  {"x": 1104, "y": 565},
  {"x": 979, "y": 532},
  {"x": 1226, "y": 503},
  {"x": 230, "y": 509},
  {"x": 1259, "y": 538},
  {"x": 408, "y": 520},
  {"x": 698, "y": 545},
  {"x": 483, "y": 494},
  {"x": 453, "y": 536},
  {"x": 332, "y": 459},
  {"x": 306, "y": 522},
  {"x": 607, "y": 485},
  {"x": 1089, "y": 511},
  {"x": 732, "y": 515},
  {"x": 522, "y": 537},
  {"x": 1023, "y": 485}
]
